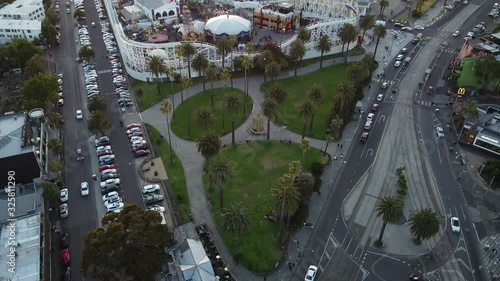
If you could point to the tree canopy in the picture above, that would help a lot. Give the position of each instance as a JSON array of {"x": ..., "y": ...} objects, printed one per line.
[
  {"x": 39, "y": 90},
  {"x": 20, "y": 51},
  {"x": 129, "y": 245}
]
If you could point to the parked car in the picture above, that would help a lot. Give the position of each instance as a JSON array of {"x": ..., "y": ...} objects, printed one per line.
[
  {"x": 103, "y": 148},
  {"x": 109, "y": 171},
  {"x": 105, "y": 152},
  {"x": 141, "y": 153},
  {"x": 440, "y": 132},
  {"x": 64, "y": 241},
  {"x": 133, "y": 125},
  {"x": 64, "y": 211},
  {"x": 65, "y": 257},
  {"x": 104, "y": 140},
  {"x": 110, "y": 195},
  {"x": 110, "y": 182},
  {"x": 109, "y": 176},
  {"x": 311, "y": 273},
  {"x": 150, "y": 188},
  {"x": 149, "y": 199},
  {"x": 380, "y": 97},
  {"x": 368, "y": 125},
  {"x": 364, "y": 137},
  {"x": 106, "y": 167},
  {"x": 114, "y": 207},
  {"x": 159, "y": 209},
  {"x": 374, "y": 107},
  {"x": 106, "y": 157},
  {"x": 64, "y": 195}
]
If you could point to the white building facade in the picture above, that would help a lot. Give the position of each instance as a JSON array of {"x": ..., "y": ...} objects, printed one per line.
[
  {"x": 21, "y": 19},
  {"x": 23, "y": 10},
  {"x": 157, "y": 10}
]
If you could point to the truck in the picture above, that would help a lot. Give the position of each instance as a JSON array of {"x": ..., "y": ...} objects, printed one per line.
[{"x": 407, "y": 61}]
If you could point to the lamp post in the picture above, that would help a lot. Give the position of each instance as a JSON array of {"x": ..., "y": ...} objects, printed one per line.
[{"x": 489, "y": 186}]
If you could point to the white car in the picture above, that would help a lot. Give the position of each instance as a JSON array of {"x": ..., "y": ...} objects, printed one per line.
[
  {"x": 136, "y": 138},
  {"x": 455, "y": 225},
  {"x": 93, "y": 24},
  {"x": 111, "y": 195},
  {"x": 159, "y": 209},
  {"x": 150, "y": 188},
  {"x": 108, "y": 171},
  {"x": 384, "y": 85},
  {"x": 370, "y": 117},
  {"x": 64, "y": 211},
  {"x": 112, "y": 201},
  {"x": 106, "y": 157},
  {"x": 368, "y": 125},
  {"x": 79, "y": 115},
  {"x": 133, "y": 130},
  {"x": 399, "y": 57},
  {"x": 397, "y": 63},
  {"x": 110, "y": 181},
  {"x": 419, "y": 27},
  {"x": 103, "y": 148},
  {"x": 114, "y": 207},
  {"x": 380, "y": 97},
  {"x": 84, "y": 188},
  {"x": 137, "y": 143},
  {"x": 456, "y": 33},
  {"x": 64, "y": 195},
  {"x": 440, "y": 132},
  {"x": 465, "y": 2},
  {"x": 311, "y": 273}
]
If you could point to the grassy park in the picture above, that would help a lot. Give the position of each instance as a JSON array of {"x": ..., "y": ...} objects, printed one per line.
[
  {"x": 265, "y": 161},
  {"x": 175, "y": 174},
  {"x": 147, "y": 92},
  {"x": 180, "y": 125},
  {"x": 327, "y": 78}
]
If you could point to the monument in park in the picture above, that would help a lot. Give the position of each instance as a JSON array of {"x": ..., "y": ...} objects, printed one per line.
[{"x": 258, "y": 127}]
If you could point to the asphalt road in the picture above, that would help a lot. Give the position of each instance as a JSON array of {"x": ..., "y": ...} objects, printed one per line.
[{"x": 86, "y": 212}]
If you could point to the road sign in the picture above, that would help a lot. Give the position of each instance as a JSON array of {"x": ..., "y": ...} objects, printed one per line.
[{"x": 461, "y": 92}]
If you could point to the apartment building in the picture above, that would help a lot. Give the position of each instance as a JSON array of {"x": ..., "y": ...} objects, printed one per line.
[{"x": 21, "y": 19}]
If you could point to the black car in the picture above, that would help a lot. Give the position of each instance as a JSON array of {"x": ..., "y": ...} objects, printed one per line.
[
  {"x": 142, "y": 153},
  {"x": 64, "y": 241},
  {"x": 414, "y": 41},
  {"x": 126, "y": 104}
]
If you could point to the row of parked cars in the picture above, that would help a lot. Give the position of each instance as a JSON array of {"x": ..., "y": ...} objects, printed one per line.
[
  {"x": 139, "y": 145},
  {"x": 478, "y": 29},
  {"x": 495, "y": 12},
  {"x": 107, "y": 36},
  {"x": 151, "y": 197}
]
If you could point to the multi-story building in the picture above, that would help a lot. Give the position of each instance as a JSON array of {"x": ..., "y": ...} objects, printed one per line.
[{"x": 21, "y": 19}]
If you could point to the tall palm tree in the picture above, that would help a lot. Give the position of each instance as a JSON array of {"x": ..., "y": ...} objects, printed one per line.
[
  {"x": 155, "y": 65},
  {"x": 54, "y": 119},
  {"x": 200, "y": 37},
  {"x": 278, "y": 93},
  {"x": 222, "y": 171},
  {"x": 305, "y": 109},
  {"x": 366, "y": 23},
  {"x": 335, "y": 125},
  {"x": 323, "y": 46},
  {"x": 303, "y": 34},
  {"x": 204, "y": 117},
  {"x": 249, "y": 49},
  {"x": 383, "y": 4},
  {"x": 287, "y": 198},
  {"x": 345, "y": 94},
  {"x": 348, "y": 34},
  {"x": 315, "y": 94},
  {"x": 424, "y": 224},
  {"x": 246, "y": 62},
  {"x": 304, "y": 146},
  {"x": 208, "y": 145},
  {"x": 296, "y": 53},
  {"x": 186, "y": 83},
  {"x": 391, "y": 211},
  {"x": 224, "y": 46},
  {"x": 270, "y": 108},
  {"x": 225, "y": 75},
  {"x": 234, "y": 220},
  {"x": 211, "y": 76},
  {"x": 357, "y": 72},
  {"x": 166, "y": 109},
  {"x": 379, "y": 31},
  {"x": 272, "y": 70},
  {"x": 186, "y": 49},
  {"x": 97, "y": 103},
  {"x": 200, "y": 63},
  {"x": 171, "y": 72},
  {"x": 99, "y": 122},
  {"x": 232, "y": 105},
  {"x": 264, "y": 57}
]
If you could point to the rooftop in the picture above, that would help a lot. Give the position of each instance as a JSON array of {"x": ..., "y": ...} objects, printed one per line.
[
  {"x": 154, "y": 4},
  {"x": 132, "y": 8},
  {"x": 20, "y": 24},
  {"x": 11, "y": 135},
  {"x": 27, "y": 234},
  {"x": 22, "y": 7}
]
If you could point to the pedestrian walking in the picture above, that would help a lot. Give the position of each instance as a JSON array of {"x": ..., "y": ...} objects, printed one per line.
[
  {"x": 341, "y": 146},
  {"x": 334, "y": 158},
  {"x": 338, "y": 145},
  {"x": 290, "y": 266},
  {"x": 265, "y": 278}
]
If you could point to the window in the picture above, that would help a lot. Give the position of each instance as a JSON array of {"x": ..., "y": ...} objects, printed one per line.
[
  {"x": 29, "y": 31},
  {"x": 31, "y": 36},
  {"x": 2, "y": 35},
  {"x": 7, "y": 30}
]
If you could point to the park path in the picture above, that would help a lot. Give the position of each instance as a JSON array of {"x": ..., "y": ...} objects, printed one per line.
[{"x": 192, "y": 161}]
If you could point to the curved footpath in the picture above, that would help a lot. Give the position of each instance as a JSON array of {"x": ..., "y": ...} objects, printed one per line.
[{"x": 192, "y": 161}]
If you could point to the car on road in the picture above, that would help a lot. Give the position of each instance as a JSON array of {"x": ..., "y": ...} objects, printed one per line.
[
  {"x": 374, "y": 107},
  {"x": 65, "y": 257},
  {"x": 114, "y": 207},
  {"x": 368, "y": 125},
  {"x": 430, "y": 90},
  {"x": 419, "y": 27},
  {"x": 400, "y": 57},
  {"x": 414, "y": 277},
  {"x": 110, "y": 182},
  {"x": 155, "y": 208},
  {"x": 404, "y": 50},
  {"x": 397, "y": 63},
  {"x": 456, "y": 33},
  {"x": 384, "y": 85},
  {"x": 414, "y": 41},
  {"x": 364, "y": 137},
  {"x": 406, "y": 28},
  {"x": 64, "y": 211},
  {"x": 150, "y": 188},
  {"x": 106, "y": 167},
  {"x": 455, "y": 225},
  {"x": 311, "y": 273},
  {"x": 440, "y": 132},
  {"x": 152, "y": 198},
  {"x": 79, "y": 114},
  {"x": 370, "y": 117},
  {"x": 84, "y": 188},
  {"x": 380, "y": 97},
  {"x": 64, "y": 195}
]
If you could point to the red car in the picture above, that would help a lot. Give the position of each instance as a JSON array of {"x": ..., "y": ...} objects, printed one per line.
[
  {"x": 65, "y": 259},
  {"x": 141, "y": 147},
  {"x": 430, "y": 90},
  {"x": 106, "y": 167},
  {"x": 136, "y": 134},
  {"x": 105, "y": 152},
  {"x": 133, "y": 125}
]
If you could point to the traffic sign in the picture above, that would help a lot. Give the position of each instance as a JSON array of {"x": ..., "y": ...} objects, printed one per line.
[{"x": 461, "y": 92}]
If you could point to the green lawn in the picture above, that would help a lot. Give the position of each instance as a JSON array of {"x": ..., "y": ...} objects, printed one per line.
[
  {"x": 467, "y": 77},
  {"x": 175, "y": 174},
  {"x": 258, "y": 165},
  {"x": 327, "y": 78},
  {"x": 180, "y": 125},
  {"x": 149, "y": 92}
]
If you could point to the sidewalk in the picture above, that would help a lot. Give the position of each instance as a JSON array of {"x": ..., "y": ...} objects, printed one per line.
[{"x": 192, "y": 160}]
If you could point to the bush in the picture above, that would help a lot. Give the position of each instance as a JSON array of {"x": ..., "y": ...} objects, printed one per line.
[
  {"x": 139, "y": 92},
  {"x": 317, "y": 183},
  {"x": 416, "y": 13},
  {"x": 317, "y": 169}
]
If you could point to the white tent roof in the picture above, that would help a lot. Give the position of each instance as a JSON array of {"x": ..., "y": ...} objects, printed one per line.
[
  {"x": 158, "y": 52},
  {"x": 194, "y": 262},
  {"x": 228, "y": 24}
]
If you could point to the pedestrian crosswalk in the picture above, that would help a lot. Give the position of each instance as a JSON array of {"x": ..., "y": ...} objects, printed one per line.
[{"x": 380, "y": 80}]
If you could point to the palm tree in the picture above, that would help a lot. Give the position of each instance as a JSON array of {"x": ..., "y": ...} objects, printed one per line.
[
  {"x": 200, "y": 37},
  {"x": 166, "y": 109},
  {"x": 323, "y": 46},
  {"x": 357, "y": 72},
  {"x": 225, "y": 75},
  {"x": 287, "y": 198},
  {"x": 96, "y": 103},
  {"x": 305, "y": 109},
  {"x": 171, "y": 72},
  {"x": 204, "y": 117},
  {"x": 303, "y": 34},
  {"x": 315, "y": 94},
  {"x": 304, "y": 146},
  {"x": 269, "y": 108},
  {"x": 272, "y": 70},
  {"x": 249, "y": 48},
  {"x": 86, "y": 53},
  {"x": 278, "y": 93},
  {"x": 200, "y": 63},
  {"x": 366, "y": 23},
  {"x": 296, "y": 53},
  {"x": 246, "y": 62},
  {"x": 383, "y": 4},
  {"x": 348, "y": 34},
  {"x": 345, "y": 95},
  {"x": 234, "y": 221},
  {"x": 187, "y": 50},
  {"x": 424, "y": 224},
  {"x": 186, "y": 83},
  {"x": 155, "y": 65},
  {"x": 224, "y": 46},
  {"x": 263, "y": 59},
  {"x": 208, "y": 145},
  {"x": 232, "y": 105},
  {"x": 54, "y": 119},
  {"x": 222, "y": 171},
  {"x": 379, "y": 31},
  {"x": 56, "y": 145},
  {"x": 335, "y": 125},
  {"x": 211, "y": 76},
  {"x": 99, "y": 122},
  {"x": 391, "y": 211}
]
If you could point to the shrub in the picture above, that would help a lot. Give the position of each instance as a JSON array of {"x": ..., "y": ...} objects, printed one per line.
[
  {"x": 317, "y": 183},
  {"x": 139, "y": 92},
  {"x": 179, "y": 197},
  {"x": 317, "y": 169},
  {"x": 416, "y": 13}
]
